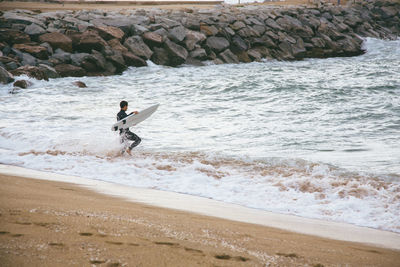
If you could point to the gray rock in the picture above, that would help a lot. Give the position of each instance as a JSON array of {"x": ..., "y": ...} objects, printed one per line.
[
  {"x": 264, "y": 40},
  {"x": 162, "y": 32},
  {"x": 62, "y": 56},
  {"x": 193, "y": 62},
  {"x": 229, "y": 31},
  {"x": 98, "y": 59},
  {"x": 77, "y": 58},
  {"x": 298, "y": 49},
  {"x": 49, "y": 71},
  {"x": 27, "y": 59},
  {"x": 238, "y": 44},
  {"x": 48, "y": 47},
  {"x": 238, "y": 25},
  {"x": 15, "y": 19},
  {"x": 152, "y": 39},
  {"x": 57, "y": 40},
  {"x": 132, "y": 60},
  {"x": 124, "y": 24},
  {"x": 118, "y": 61},
  {"x": 22, "y": 84},
  {"x": 68, "y": 70},
  {"x": 228, "y": 57},
  {"x": 254, "y": 55},
  {"x": 193, "y": 38},
  {"x": 139, "y": 29},
  {"x": 136, "y": 45},
  {"x": 31, "y": 71},
  {"x": 12, "y": 65},
  {"x": 199, "y": 53},
  {"x": 177, "y": 53},
  {"x": 285, "y": 52},
  {"x": 209, "y": 30},
  {"x": 18, "y": 27},
  {"x": 160, "y": 56},
  {"x": 177, "y": 34},
  {"x": 192, "y": 24},
  {"x": 260, "y": 29},
  {"x": 248, "y": 32},
  {"x": 272, "y": 24},
  {"x": 34, "y": 30},
  {"x": 5, "y": 76},
  {"x": 217, "y": 44}
]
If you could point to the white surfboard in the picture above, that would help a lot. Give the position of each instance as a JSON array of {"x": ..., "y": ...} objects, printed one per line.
[{"x": 134, "y": 119}]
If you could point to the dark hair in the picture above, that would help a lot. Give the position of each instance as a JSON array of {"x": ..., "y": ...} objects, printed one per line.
[{"x": 123, "y": 103}]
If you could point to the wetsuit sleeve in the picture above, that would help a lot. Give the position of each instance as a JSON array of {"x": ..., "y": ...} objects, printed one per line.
[{"x": 121, "y": 115}]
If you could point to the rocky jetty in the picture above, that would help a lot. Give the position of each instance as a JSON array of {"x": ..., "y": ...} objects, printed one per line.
[{"x": 91, "y": 43}]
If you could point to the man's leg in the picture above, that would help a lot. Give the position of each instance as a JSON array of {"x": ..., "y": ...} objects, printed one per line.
[{"x": 136, "y": 140}]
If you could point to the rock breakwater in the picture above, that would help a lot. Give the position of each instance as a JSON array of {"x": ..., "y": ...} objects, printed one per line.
[{"x": 92, "y": 43}]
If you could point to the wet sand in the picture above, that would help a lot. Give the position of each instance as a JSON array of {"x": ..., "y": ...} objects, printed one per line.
[{"x": 46, "y": 223}]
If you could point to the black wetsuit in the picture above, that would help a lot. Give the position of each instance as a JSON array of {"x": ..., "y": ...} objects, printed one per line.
[{"x": 125, "y": 134}]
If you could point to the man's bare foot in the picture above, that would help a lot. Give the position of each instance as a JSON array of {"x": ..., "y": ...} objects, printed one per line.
[{"x": 129, "y": 151}]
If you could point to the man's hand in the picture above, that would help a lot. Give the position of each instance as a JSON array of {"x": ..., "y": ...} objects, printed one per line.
[{"x": 134, "y": 112}]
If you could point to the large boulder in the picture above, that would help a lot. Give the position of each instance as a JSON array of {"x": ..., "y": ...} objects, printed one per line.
[
  {"x": 116, "y": 45},
  {"x": 118, "y": 61},
  {"x": 15, "y": 18},
  {"x": 132, "y": 60},
  {"x": 109, "y": 32},
  {"x": 238, "y": 44},
  {"x": 35, "y": 50},
  {"x": 193, "y": 38},
  {"x": 78, "y": 58},
  {"x": 13, "y": 36},
  {"x": 136, "y": 45},
  {"x": 199, "y": 53},
  {"x": 228, "y": 57},
  {"x": 5, "y": 76},
  {"x": 177, "y": 53},
  {"x": 90, "y": 40},
  {"x": 153, "y": 39},
  {"x": 217, "y": 44},
  {"x": 61, "y": 56},
  {"x": 57, "y": 40},
  {"x": 209, "y": 30},
  {"x": 160, "y": 56},
  {"x": 31, "y": 71},
  {"x": 34, "y": 30},
  {"x": 49, "y": 71},
  {"x": 68, "y": 70},
  {"x": 177, "y": 34}
]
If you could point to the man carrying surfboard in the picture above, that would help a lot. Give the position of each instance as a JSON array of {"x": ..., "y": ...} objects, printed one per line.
[{"x": 125, "y": 134}]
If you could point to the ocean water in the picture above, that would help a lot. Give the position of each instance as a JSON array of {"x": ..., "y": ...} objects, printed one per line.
[{"x": 318, "y": 138}]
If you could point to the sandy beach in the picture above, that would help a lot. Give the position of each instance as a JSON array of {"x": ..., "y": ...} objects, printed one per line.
[{"x": 46, "y": 223}]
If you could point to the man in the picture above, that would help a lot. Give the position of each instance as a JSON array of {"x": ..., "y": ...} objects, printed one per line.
[{"x": 125, "y": 134}]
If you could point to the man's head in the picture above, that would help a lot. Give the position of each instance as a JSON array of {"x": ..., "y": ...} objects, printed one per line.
[{"x": 123, "y": 105}]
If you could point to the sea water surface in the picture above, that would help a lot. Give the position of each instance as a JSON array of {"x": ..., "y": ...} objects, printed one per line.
[{"x": 318, "y": 138}]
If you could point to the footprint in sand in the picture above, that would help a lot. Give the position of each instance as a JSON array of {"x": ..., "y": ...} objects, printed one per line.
[
  {"x": 114, "y": 242},
  {"x": 54, "y": 244},
  {"x": 166, "y": 243},
  {"x": 228, "y": 257},
  {"x": 85, "y": 234}
]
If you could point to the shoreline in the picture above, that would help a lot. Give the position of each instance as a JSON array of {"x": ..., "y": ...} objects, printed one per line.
[
  {"x": 217, "y": 209},
  {"x": 56, "y": 223}
]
